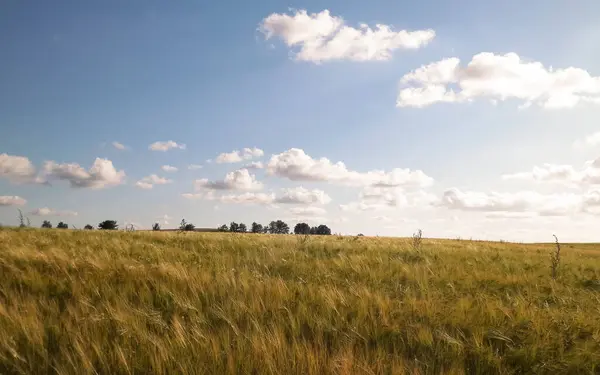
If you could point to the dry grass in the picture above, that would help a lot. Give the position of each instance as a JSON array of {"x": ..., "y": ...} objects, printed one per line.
[{"x": 83, "y": 302}]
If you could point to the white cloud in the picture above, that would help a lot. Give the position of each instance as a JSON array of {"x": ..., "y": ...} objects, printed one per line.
[
  {"x": 148, "y": 182},
  {"x": 296, "y": 165},
  {"x": 240, "y": 179},
  {"x": 101, "y": 175},
  {"x": 166, "y": 146},
  {"x": 245, "y": 198},
  {"x": 45, "y": 211},
  {"x": 591, "y": 202},
  {"x": 254, "y": 165},
  {"x": 523, "y": 201},
  {"x": 194, "y": 166},
  {"x": 169, "y": 168},
  {"x": 193, "y": 195},
  {"x": 249, "y": 198},
  {"x": 589, "y": 174},
  {"x": 8, "y": 200},
  {"x": 301, "y": 195},
  {"x": 119, "y": 146},
  {"x": 164, "y": 219},
  {"x": 592, "y": 140},
  {"x": 307, "y": 211},
  {"x": 511, "y": 215},
  {"x": 382, "y": 218},
  {"x": 322, "y": 37},
  {"x": 362, "y": 206},
  {"x": 378, "y": 198},
  {"x": 236, "y": 156},
  {"x": 18, "y": 169},
  {"x": 498, "y": 77}
]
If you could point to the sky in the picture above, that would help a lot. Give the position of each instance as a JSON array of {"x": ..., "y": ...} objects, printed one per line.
[{"x": 463, "y": 119}]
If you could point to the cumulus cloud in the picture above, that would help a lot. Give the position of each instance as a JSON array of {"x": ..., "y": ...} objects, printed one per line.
[
  {"x": 236, "y": 156},
  {"x": 166, "y": 146},
  {"x": 245, "y": 198},
  {"x": 148, "y": 182},
  {"x": 194, "y": 166},
  {"x": 101, "y": 175},
  {"x": 294, "y": 164},
  {"x": 498, "y": 78},
  {"x": 298, "y": 196},
  {"x": 249, "y": 198},
  {"x": 592, "y": 140},
  {"x": 381, "y": 218},
  {"x": 523, "y": 201},
  {"x": 164, "y": 219},
  {"x": 301, "y": 195},
  {"x": 254, "y": 165},
  {"x": 378, "y": 198},
  {"x": 362, "y": 206},
  {"x": 511, "y": 215},
  {"x": 307, "y": 211},
  {"x": 12, "y": 200},
  {"x": 591, "y": 202},
  {"x": 45, "y": 211},
  {"x": 119, "y": 146},
  {"x": 589, "y": 174},
  {"x": 323, "y": 37},
  {"x": 18, "y": 169},
  {"x": 169, "y": 168},
  {"x": 240, "y": 179}
]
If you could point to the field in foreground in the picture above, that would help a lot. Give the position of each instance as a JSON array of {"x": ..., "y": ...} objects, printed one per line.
[{"x": 84, "y": 302}]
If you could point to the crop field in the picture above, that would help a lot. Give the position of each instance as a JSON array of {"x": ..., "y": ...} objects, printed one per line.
[{"x": 108, "y": 302}]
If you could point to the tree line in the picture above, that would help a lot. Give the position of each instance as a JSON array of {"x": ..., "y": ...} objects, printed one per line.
[
  {"x": 275, "y": 227},
  {"x": 105, "y": 225}
]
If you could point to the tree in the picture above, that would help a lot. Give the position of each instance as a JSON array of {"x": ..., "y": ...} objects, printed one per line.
[
  {"x": 234, "y": 227},
  {"x": 88, "y": 227},
  {"x": 302, "y": 228},
  {"x": 156, "y": 226},
  {"x": 186, "y": 227},
  {"x": 62, "y": 225},
  {"x": 256, "y": 228},
  {"x": 242, "y": 228},
  {"x": 223, "y": 228},
  {"x": 46, "y": 224},
  {"x": 313, "y": 230},
  {"x": 108, "y": 225},
  {"x": 323, "y": 230},
  {"x": 265, "y": 229},
  {"x": 279, "y": 227}
]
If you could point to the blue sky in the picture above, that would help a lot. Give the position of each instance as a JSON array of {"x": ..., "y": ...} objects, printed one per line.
[{"x": 507, "y": 150}]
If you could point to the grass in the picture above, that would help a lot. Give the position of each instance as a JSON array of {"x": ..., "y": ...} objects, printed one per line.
[{"x": 87, "y": 302}]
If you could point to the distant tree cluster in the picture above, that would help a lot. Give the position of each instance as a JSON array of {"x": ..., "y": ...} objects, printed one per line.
[
  {"x": 184, "y": 226},
  {"x": 105, "y": 225},
  {"x": 303, "y": 228},
  {"x": 275, "y": 227}
]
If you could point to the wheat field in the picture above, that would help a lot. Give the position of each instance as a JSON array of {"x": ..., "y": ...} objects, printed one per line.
[{"x": 99, "y": 302}]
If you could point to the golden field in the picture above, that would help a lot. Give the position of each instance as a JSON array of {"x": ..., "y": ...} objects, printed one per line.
[{"x": 100, "y": 302}]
